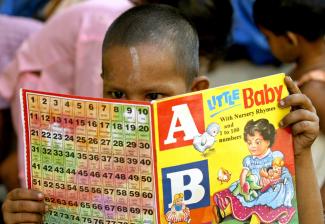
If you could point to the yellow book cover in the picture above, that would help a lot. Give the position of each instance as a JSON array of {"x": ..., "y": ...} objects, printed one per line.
[
  {"x": 222, "y": 158},
  {"x": 215, "y": 156}
]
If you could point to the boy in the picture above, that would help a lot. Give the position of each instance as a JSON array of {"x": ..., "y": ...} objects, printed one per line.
[
  {"x": 151, "y": 52},
  {"x": 295, "y": 30}
]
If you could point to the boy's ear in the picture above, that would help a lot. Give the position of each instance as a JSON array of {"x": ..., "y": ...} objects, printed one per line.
[
  {"x": 200, "y": 83},
  {"x": 292, "y": 38}
]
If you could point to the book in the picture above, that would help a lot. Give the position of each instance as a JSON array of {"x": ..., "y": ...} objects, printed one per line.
[{"x": 213, "y": 156}]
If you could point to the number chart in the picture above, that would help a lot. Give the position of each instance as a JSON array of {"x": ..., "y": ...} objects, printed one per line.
[{"x": 92, "y": 158}]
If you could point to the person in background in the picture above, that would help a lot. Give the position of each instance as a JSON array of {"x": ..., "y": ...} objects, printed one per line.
[
  {"x": 14, "y": 30},
  {"x": 295, "y": 30},
  {"x": 63, "y": 57},
  {"x": 247, "y": 41},
  {"x": 24, "y": 8}
]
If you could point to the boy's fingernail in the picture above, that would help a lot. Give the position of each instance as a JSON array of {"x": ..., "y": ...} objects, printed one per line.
[
  {"x": 40, "y": 196},
  {"x": 281, "y": 103},
  {"x": 46, "y": 208},
  {"x": 281, "y": 124}
]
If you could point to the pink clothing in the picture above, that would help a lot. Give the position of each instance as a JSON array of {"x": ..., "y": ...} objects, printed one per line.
[
  {"x": 266, "y": 214},
  {"x": 66, "y": 53},
  {"x": 14, "y": 30}
]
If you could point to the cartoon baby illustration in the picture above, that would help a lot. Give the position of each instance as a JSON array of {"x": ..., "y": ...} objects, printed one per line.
[
  {"x": 207, "y": 139},
  {"x": 272, "y": 175},
  {"x": 178, "y": 213}
]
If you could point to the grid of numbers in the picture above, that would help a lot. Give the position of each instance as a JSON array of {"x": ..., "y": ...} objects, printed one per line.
[{"x": 92, "y": 159}]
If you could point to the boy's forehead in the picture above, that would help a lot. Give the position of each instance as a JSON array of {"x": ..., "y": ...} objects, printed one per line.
[
  {"x": 142, "y": 66},
  {"x": 145, "y": 51},
  {"x": 138, "y": 59}
]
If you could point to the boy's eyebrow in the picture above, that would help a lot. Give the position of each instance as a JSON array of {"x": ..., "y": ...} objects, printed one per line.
[{"x": 147, "y": 89}]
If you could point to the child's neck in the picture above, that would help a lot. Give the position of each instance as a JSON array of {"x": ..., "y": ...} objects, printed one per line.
[{"x": 312, "y": 58}]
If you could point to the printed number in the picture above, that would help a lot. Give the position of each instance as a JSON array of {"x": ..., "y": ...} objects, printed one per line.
[
  {"x": 129, "y": 110},
  {"x": 131, "y": 127},
  {"x": 104, "y": 124},
  {"x": 68, "y": 137},
  {"x": 33, "y": 116},
  {"x": 131, "y": 144},
  {"x": 57, "y": 136},
  {"x": 34, "y": 132},
  {"x": 146, "y": 179},
  {"x": 46, "y": 134},
  {"x": 132, "y": 161},
  {"x": 44, "y": 101},
  {"x": 143, "y": 111},
  {"x": 119, "y": 160},
  {"x": 144, "y": 145},
  {"x": 147, "y": 211},
  {"x": 118, "y": 143},
  {"x": 81, "y": 122},
  {"x": 106, "y": 158},
  {"x": 35, "y": 148},
  {"x": 36, "y": 182},
  {"x": 57, "y": 119},
  {"x": 68, "y": 120},
  {"x": 93, "y": 141},
  {"x": 92, "y": 123},
  {"x": 105, "y": 141},
  {"x": 134, "y": 177},
  {"x": 135, "y": 210},
  {"x": 145, "y": 162},
  {"x": 45, "y": 117},
  {"x": 147, "y": 195},
  {"x": 143, "y": 128},
  {"x": 117, "y": 126},
  {"x": 134, "y": 194},
  {"x": 81, "y": 139}
]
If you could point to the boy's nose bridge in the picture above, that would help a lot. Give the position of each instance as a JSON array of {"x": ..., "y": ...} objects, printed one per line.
[{"x": 135, "y": 96}]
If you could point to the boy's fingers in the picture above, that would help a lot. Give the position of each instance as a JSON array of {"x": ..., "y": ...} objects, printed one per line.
[
  {"x": 297, "y": 101},
  {"x": 25, "y": 194},
  {"x": 25, "y": 206},
  {"x": 291, "y": 85},
  {"x": 299, "y": 116},
  {"x": 303, "y": 127},
  {"x": 25, "y": 218}
]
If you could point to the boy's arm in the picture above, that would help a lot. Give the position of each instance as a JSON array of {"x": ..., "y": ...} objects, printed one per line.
[
  {"x": 23, "y": 206},
  {"x": 305, "y": 128},
  {"x": 308, "y": 194}
]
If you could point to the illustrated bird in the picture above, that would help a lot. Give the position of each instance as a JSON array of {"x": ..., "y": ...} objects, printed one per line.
[
  {"x": 206, "y": 140},
  {"x": 223, "y": 175}
]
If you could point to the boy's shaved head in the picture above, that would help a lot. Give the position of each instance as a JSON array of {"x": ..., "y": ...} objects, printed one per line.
[{"x": 161, "y": 26}]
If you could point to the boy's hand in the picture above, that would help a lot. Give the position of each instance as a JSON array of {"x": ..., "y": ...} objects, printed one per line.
[
  {"x": 24, "y": 206},
  {"x": 302, "y": 118}
]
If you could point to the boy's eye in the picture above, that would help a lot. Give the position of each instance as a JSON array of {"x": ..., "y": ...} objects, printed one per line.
[
  {"x": 116, "y": 94},
  {"x": 154, "y": 96}
]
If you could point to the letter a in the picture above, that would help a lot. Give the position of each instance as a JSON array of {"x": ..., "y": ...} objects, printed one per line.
[{"x": 187, "y": 124}]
